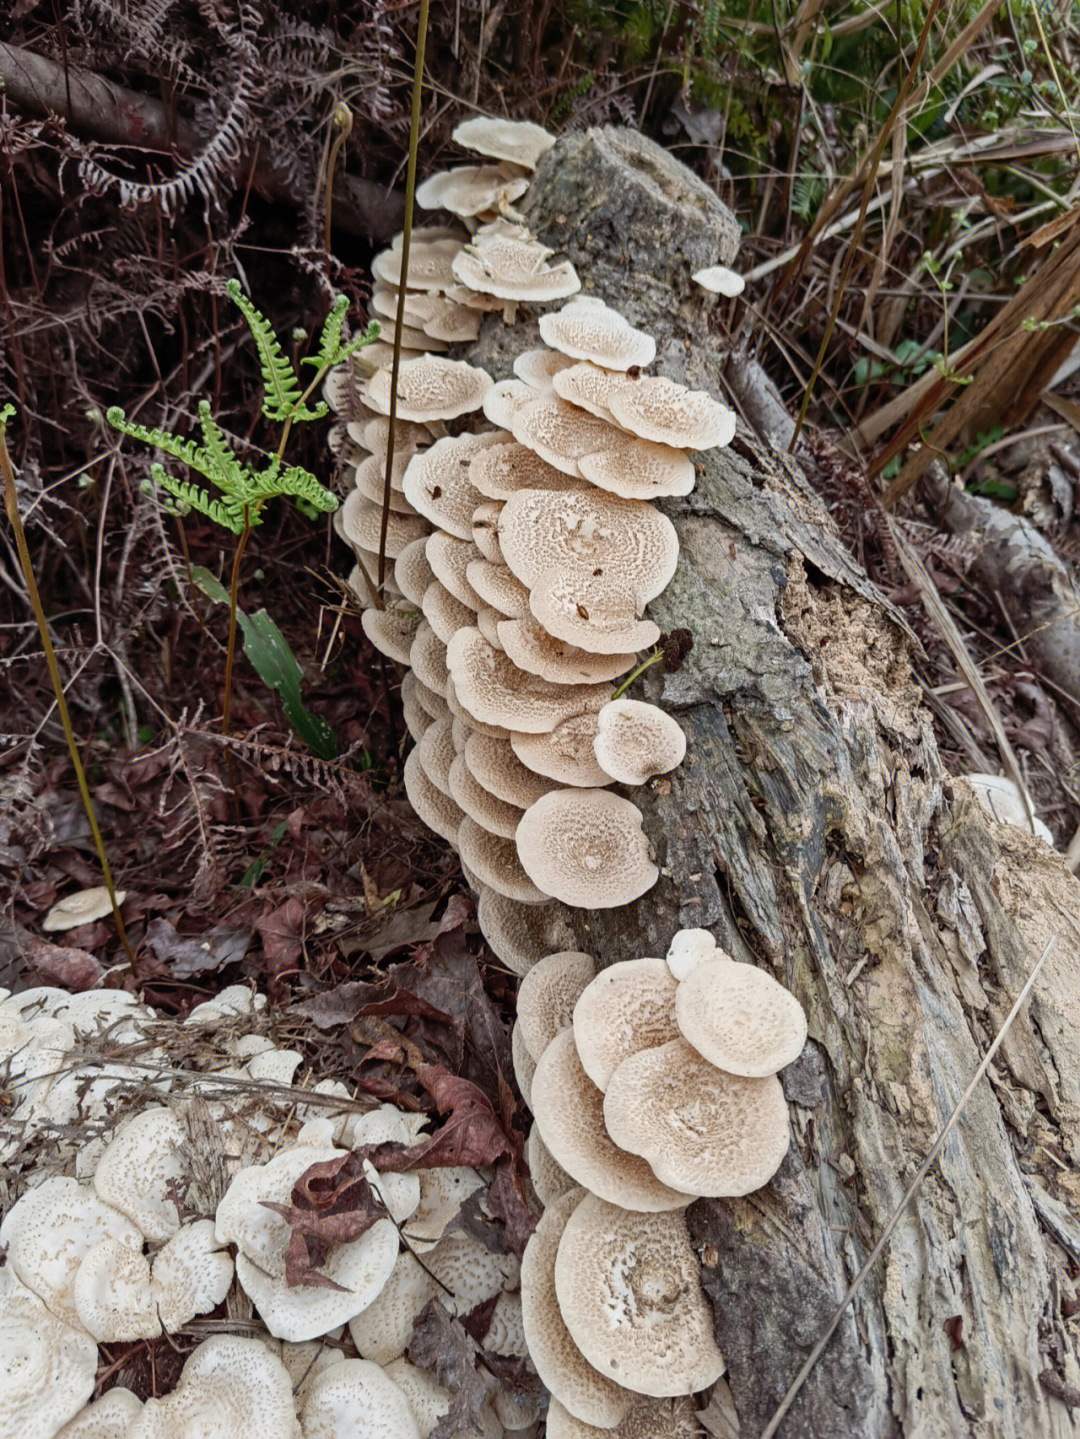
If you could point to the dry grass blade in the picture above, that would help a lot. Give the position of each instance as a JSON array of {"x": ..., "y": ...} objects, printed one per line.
[{"x": 894, "y": 1219}]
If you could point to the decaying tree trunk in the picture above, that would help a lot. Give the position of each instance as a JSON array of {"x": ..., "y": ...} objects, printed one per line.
[{"x": 814, "y": 830}]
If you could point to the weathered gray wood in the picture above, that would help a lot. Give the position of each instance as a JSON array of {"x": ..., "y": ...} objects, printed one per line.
[{"x": 814, "y": 829}]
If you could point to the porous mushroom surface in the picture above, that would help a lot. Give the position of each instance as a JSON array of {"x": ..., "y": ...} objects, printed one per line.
[
  {"x": 520, "y": 934},
  {"x": 450, "y": 558},
  {"x": 429, "y": 269},
  {"x": 629, "y": 1006},
  {"x": 382, "y": 1331},
  {"x": 638, "y": 469},
  {"x": 484, "y": 529},
  {"x": 569, "y": 1112},
  {"x": 629, "y": 1292},
  {"x": 549, "y": 1178},
  {"x": 539, "y": 367},
  {"x": 586, "y": 847},
  {"x": 719, "y": 280},
  {"x": 514, "y": 270},
  {"x": 412, "y": 571},
  {"x": 228, "y": 1386},
  {"x": 590, "y": 388},
  {"x": 495, "y": 766},
  {"x": 558, "y": 432},
  {"x": 429, "y": 1401},
  {"x": 430, "y": 388},
  {"x": 437, "y": 752},
  {"x": 442, "y": 1193},
  {"x": 110, "y": 1417},
  {"x": 501, "y": 470},
  {"x": 690, "y": 947},
  {"x": 635, "y": 741},
  {"x": 524, "y": 1064},
  {"x": 392, "y": 631},
  {"x": 437, "y": 482},
  {"x": 543, "y": 531},
  {"x": 505, "y": 399},
  {"x": 356, "y": 1399},
  {"x": 536, "y": 652},
  {"x": 589, "y": 1395},
  {"x": 437, "y": 810},
  {"x": 83, "y": 907},
  {"x": 740, "y": 1018},
  {"x": 48, "y": 1368},
  {"x": 469, "y": 190},
  {"x": 490, "y": 687},
  {"x": 565, "y": 755},
  {"x": 498, "y": 587},
  {"x": 646, "y": 1419},
  {"x": 495, "y": 815},
  {"x": 520, "y": 141},
  {"x": 668, "y": 413},
  {"x": 360, "y": 522},
  {"x": 592, "y": 606},
  {"x": 494, "y": 860},
  {"x": 444, "y": 612},
  {"x": 593, "y": 331},
  {"x": 428, "y": 659},
  {"x": 547, "y": 995},
  {"x": 700, "y": 1130}
]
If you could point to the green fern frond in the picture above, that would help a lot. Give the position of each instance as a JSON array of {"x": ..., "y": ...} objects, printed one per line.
[
  {"x": 331, "y": 351},
  {"x": 183, "y": 496},
  {"x": 301, "y": 484},
  {"x": 226, "y": 467},
  {"x": 185, "y": 450},
  {"x": 282, "y": 397},
  {"x": 7, "y": 413}
]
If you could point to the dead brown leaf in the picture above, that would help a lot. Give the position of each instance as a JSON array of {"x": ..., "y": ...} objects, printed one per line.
[
  {"x": 440, "y": 1343},
  {"x": 332, "y": 1203}
]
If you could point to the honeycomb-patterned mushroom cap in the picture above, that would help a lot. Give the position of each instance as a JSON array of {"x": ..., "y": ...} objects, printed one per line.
[
  {"x": 565, "y": 754},
  {"x": 662, "y": 410},
  {"x": 430, "y": 388},
  {"x": 628, "y": 1006},
  {"x": 502, "y": 269},
  {"x": 590, "y": 388},
  {"x": 587, "y": 848},
  {"x": 449, "y": 558},
  {"x": 361, "y": 525},
  {"x": 435, "y": 809},
  {"x": 228, "y": 1385},
  {"x": 436, "y": 482},
  {"x": 492, "y": 689},
  {"x": 539, "y": 367},
  {"x": 499, "y": 588},
  {"x": 593, "y": 607},
  {"x": 412, "y": 572},
  {"x": 428, "y": 660},
  {"x": 638, "y": 469},
  {"x": 519, "y": 141},
  {"x": 495, "y": 766},
  {"x": 740, "y": 1018},
  {"x": 505, "y": 399},
  {"x": 437, "y": 753},
  {"x": 708, "y": 1132},
  {"x": 494, "y": 861},
  {"x": 532, "y": 649},
  {"x": 469, "y": 190},
  {"x": 502, "y": 470},
  {"x": 393, "y": 630},
  {"x": 445, "y": 614},
  {"x": 520, "y": 934},
  {"x": 559, "y": 433},
  {"x": 429, "y": 265},
  {"x": 547, "y": 995},
  {"x": 494, "y": 815},
  {"x": 635, "y": 741},
  {"x": 595, "y": 332}
]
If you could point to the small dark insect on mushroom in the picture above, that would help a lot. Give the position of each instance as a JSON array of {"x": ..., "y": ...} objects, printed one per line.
[
  {"x": 634, "y": 372},
  {"x": 435, "y": 491},
  {"x": 582, "y": 612}
]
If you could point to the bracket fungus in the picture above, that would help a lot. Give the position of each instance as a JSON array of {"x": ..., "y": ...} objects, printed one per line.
[{"x": 587, "y": 848}]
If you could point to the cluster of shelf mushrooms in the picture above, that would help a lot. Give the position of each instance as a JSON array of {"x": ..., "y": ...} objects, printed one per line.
[
  {"x": 652, "y": 1083},
  {"x": 138, "y": 1183},
  {"x": 524, "y": 554}
]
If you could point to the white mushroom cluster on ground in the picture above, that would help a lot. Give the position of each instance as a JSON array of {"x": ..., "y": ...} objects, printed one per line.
[
  {"x": 524, "y": 554},
  {"x": 162, "y": 1191},
  {"x": 652, "y": 1082}
]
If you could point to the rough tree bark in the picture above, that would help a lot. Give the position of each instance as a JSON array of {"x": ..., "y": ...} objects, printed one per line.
[{"x": 814, "y": 829}]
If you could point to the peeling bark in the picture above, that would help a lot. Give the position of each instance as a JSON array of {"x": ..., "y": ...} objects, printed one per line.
[{"x": 814, "y": 829}]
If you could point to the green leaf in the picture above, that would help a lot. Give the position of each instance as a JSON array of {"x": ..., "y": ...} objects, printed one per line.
[
  {"x": 282, "y": 399},
  {"x": 268, "y": 650}
]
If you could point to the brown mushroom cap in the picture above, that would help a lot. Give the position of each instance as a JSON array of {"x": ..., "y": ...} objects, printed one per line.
[
  {"x": 540, "y": 531},
  {"x": 629, "y": 1290},
  {"x": 566, "y": 754},
  {"x": 660, "y": 409},
  {"x": 547, "y": 995},
  {"x": 430, "y": 388},
  {"x": 429, "y": 265},
  {"x": 592, "y": 605},
  {"x": 520, "y": 934},
  {"x": 502, "y": 470},
  {"x": 494, "y": 814},
  {"x": 595, "y": 332},
  {"x": 559, "y": 1362},
  {"x": 491, "y": 688},
  {"x": 495, "y": 766},
  {"x": 569, "y": 1111},
  {"x": 587, "y": 848},
  {"x": 437, "y": 810},
  {"x": 495, "y": 863},
  {"x": 449, "y": 558},
  {"x": 469, "y": 190},
  {"x": 559, "y": 433},
  {"x": 436, "y": 482},
  {"x": 638, "y": 469},
  {"x": 740, "y": 1018},
  {"x": 532, "y": 649},
  {"x": 498, "y": 588},
  {"x": 628, "y": 1006},
  {"x": 708, "y": 1132},
  {"x": 519, "y": 141},
  {"x": 635, "y": 741},
  {"x": 392, "y": 630}
]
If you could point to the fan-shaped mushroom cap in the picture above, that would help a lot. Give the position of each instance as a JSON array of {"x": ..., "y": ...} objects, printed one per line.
[
  {"x": 493, "y": 731},
  {"x": 503, "y": 270},
  {"x": 412, "y": 572},
  {"x": 140, "y": 1168},
  {"x": 635, "y": 740},
  {"x": 569, "y": 1111},
  {"x": 532, "y": 649},
  {"x": 592, "y": 606},
  {"x": 549, "y": 1178},
  {"x": 49, "y": 1231},
  {"x": 228, "y": 1385},
  {"x": 428, "y": 659},
  {"x": 638, "y": 469},
  {"x": 646, "y": 1419},
  {"x": 429, "y": 234},
  {"x": 495, "y": 766},
  {"x": 520, "y": 934},
  {"x": 430, "y": 388},
  {"x": 587, "y": 848},
  {"x": 628, "y": 1006},
  {"x": 429, "y": 1401},
  {"x": 505, "y": 399},
  {"x": 437, "y": 481},
  {"x": 542, "y": 531},
  {"x": 432, "y": 704},
  {"x": 370, "y": 481},
  {"x": 449, "y": 559},
  {"x": 436, "y": 751},
  {"x": 547, "y": 995},
  {"x": 662, "y": 410},
  {"x": 494, "y": 861},
  {"x": 629, "y": 1291},
  {"x": 590, "y": 388},
  {"x": 437, "y": 810},
  {"x": 83, "y": 907},
  {"x": 597, "y": 333},
  {"x": 495, "y": 815},
  {"x": 740, "y": 1018},
  {"x": 487, "y": 622},
  {"x": 445, "y": 614},
  {"x": 719, "y": 280},
  {"x": 565, "y": 755},
  {"x": 524, "y": 1064},
  {"x": 699, "y": 1128},
  {"x": 519, "y": 141},
  {"x": 374, "y": 434},
  {"x": 48, "y": 1367},
  {"x": 110, "y": 1417},
  {"x": 361, "y": 525},
  {"x": 469, "y": 190},
  {"x": 342, "y": 391},
  {"x": 689, "y": 948},
  {"x": 490, "y": 687},
  {"x": 1002, "y": 801},
  {"x": 539, "y": 367},
  {"x": 382, "y": 1331},
  {"x": 429, "y": 265},
  {"x": 558, "y": 432},
  {"x": 393, "y": 630},
  {"x": 485, "y": 531},
  {"x": 572, "y": 1380},
  {"x": 502, "y": 470},
  {"x": 355, "y": 1399},
  {"x": 498, "y": 588}
]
